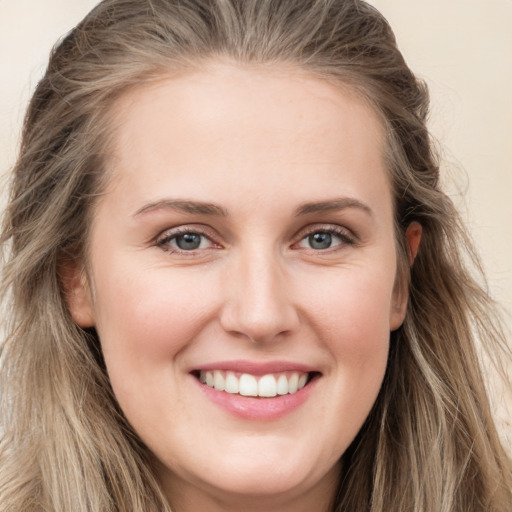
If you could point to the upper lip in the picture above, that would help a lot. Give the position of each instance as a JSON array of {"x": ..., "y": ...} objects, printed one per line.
[{"x": 256, "y": 368}]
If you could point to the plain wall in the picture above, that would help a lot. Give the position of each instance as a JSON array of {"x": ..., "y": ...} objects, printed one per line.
[{"x": 462, "y": 48}]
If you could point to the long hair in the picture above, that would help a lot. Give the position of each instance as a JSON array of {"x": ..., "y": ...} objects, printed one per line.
[{"x": 429, "y": 444}]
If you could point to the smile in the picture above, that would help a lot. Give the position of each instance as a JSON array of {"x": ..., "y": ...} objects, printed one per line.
[
  {"x": 257, "y": 391},
  {"x": 245, "y": 384}
]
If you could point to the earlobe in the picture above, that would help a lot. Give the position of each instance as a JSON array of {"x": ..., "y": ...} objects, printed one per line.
[
  {"x": 413, "y": 239},
  {"x": 398, "y": 308},
  {"x": 77, "y": 293}
]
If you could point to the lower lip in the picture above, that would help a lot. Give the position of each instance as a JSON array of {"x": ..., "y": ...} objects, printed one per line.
[{"x": 261, "y": 409}]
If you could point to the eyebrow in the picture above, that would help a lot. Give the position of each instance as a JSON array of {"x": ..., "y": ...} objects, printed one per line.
[
  {"x": 332, "y": 205},
  {"x": 186, "y": 206},
  {"x": 205, "y": 208}
]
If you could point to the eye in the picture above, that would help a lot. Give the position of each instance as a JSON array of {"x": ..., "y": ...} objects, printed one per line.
[
  {"x": 320, "y": 241},
  {"x": 189, "y": 241},
  {"x": 184, "y": 240},
  {"x": 324, "y": 239}
]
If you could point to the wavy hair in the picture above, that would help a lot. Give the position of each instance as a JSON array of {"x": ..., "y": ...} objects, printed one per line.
[{"x": 429, "y": 444}]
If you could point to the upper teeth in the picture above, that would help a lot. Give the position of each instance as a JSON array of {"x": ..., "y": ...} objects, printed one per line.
[{"x": 249, "y": 385}]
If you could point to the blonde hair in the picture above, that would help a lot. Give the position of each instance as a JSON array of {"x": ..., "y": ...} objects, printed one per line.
[{"x": 429, "y": 444}]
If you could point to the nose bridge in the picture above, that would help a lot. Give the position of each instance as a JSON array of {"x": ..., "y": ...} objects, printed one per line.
[{"x": 258, "y": 304}]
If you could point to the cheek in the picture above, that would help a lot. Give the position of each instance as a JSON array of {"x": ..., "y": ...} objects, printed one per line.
[
  {"x": 361, "y": 351},
  {"x": 147, "y": 318},
  {"x": 353, "y": 307},
  {"x": 352, "y": 318},
  {"x": 145, "y": 322}
]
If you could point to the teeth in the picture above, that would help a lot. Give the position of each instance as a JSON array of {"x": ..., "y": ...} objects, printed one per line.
[
  {"x": 248, "y": 385},
  {"x": 218, "y": 380},
  {"x": 293, "y": 383},
  {"x": 232, "y": 384},
  {"x": 282, "y": 385},
  {"x": 267, "y": 386}
]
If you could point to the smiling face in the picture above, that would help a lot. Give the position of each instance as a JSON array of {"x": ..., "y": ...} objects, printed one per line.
[{"x": 242, "y": 267}]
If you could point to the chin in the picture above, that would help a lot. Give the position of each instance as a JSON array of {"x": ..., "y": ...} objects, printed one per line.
[{"x": 280, "y": 471}]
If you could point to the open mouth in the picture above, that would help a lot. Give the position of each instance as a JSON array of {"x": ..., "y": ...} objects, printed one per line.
[{"x": 246, "y": 384}]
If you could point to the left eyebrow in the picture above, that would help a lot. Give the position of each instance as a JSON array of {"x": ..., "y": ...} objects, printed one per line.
[
  {"x": 331, "y": 205},
  {"x": 185, "y": 206}
]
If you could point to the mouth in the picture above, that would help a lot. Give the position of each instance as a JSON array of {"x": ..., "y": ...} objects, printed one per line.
[{"x": 260, "y": 386}]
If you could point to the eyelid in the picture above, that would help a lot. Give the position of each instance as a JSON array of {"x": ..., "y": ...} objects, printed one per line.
[
  {"x": 164, "y": 237},
  {"x": 346, "y": 235}
]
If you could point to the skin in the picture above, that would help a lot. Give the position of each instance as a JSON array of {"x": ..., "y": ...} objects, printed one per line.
[{"x": 259, "y": 144}]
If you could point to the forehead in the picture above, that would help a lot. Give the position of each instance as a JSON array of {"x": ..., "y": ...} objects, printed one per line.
[{"x": 245, "y": 124}]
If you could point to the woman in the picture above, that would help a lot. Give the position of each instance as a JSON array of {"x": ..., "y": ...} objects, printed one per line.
[{"x": 235, "y": 282}]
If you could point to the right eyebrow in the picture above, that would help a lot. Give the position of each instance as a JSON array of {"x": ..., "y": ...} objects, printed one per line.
[
  {"x": 335, "y": 204},
  {"x": 183, "y": 205}
]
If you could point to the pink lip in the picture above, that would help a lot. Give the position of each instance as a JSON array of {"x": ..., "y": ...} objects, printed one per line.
[
  {"x": 251, "y": 408},
  {"x": 255, "y": 368}
]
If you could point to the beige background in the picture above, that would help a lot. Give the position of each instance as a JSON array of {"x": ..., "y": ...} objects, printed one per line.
[{"x": 463, "y": 48}]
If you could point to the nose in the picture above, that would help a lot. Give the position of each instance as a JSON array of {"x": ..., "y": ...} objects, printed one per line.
[{"x": 259, "y": 305}]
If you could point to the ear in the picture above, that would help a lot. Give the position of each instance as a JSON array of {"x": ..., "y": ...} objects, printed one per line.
[
  {"x": 401, "y": 293},
  {"x": 77, "y": 293},
  {"x": 413, "y": 239}
]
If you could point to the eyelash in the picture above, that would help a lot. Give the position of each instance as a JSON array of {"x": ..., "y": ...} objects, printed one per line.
[
  {"x": 341, "y": 233},
  {"x": 163, "y": 241}
]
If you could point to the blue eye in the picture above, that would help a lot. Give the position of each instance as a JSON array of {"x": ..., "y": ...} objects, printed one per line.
[
  {"x": 320, "y": 241},
  {"x": 324, "y": 239},
  {"x": 184, "y": 241},
  {"x": 188, "y": 241}
]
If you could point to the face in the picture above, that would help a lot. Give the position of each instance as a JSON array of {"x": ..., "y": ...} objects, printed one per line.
[{"x": 242, "y": 280}]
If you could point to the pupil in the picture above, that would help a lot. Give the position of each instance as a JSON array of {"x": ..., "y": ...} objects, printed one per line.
[
  {"x": 188, "y": 241},
  {"x": 320, "y": 240}
]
